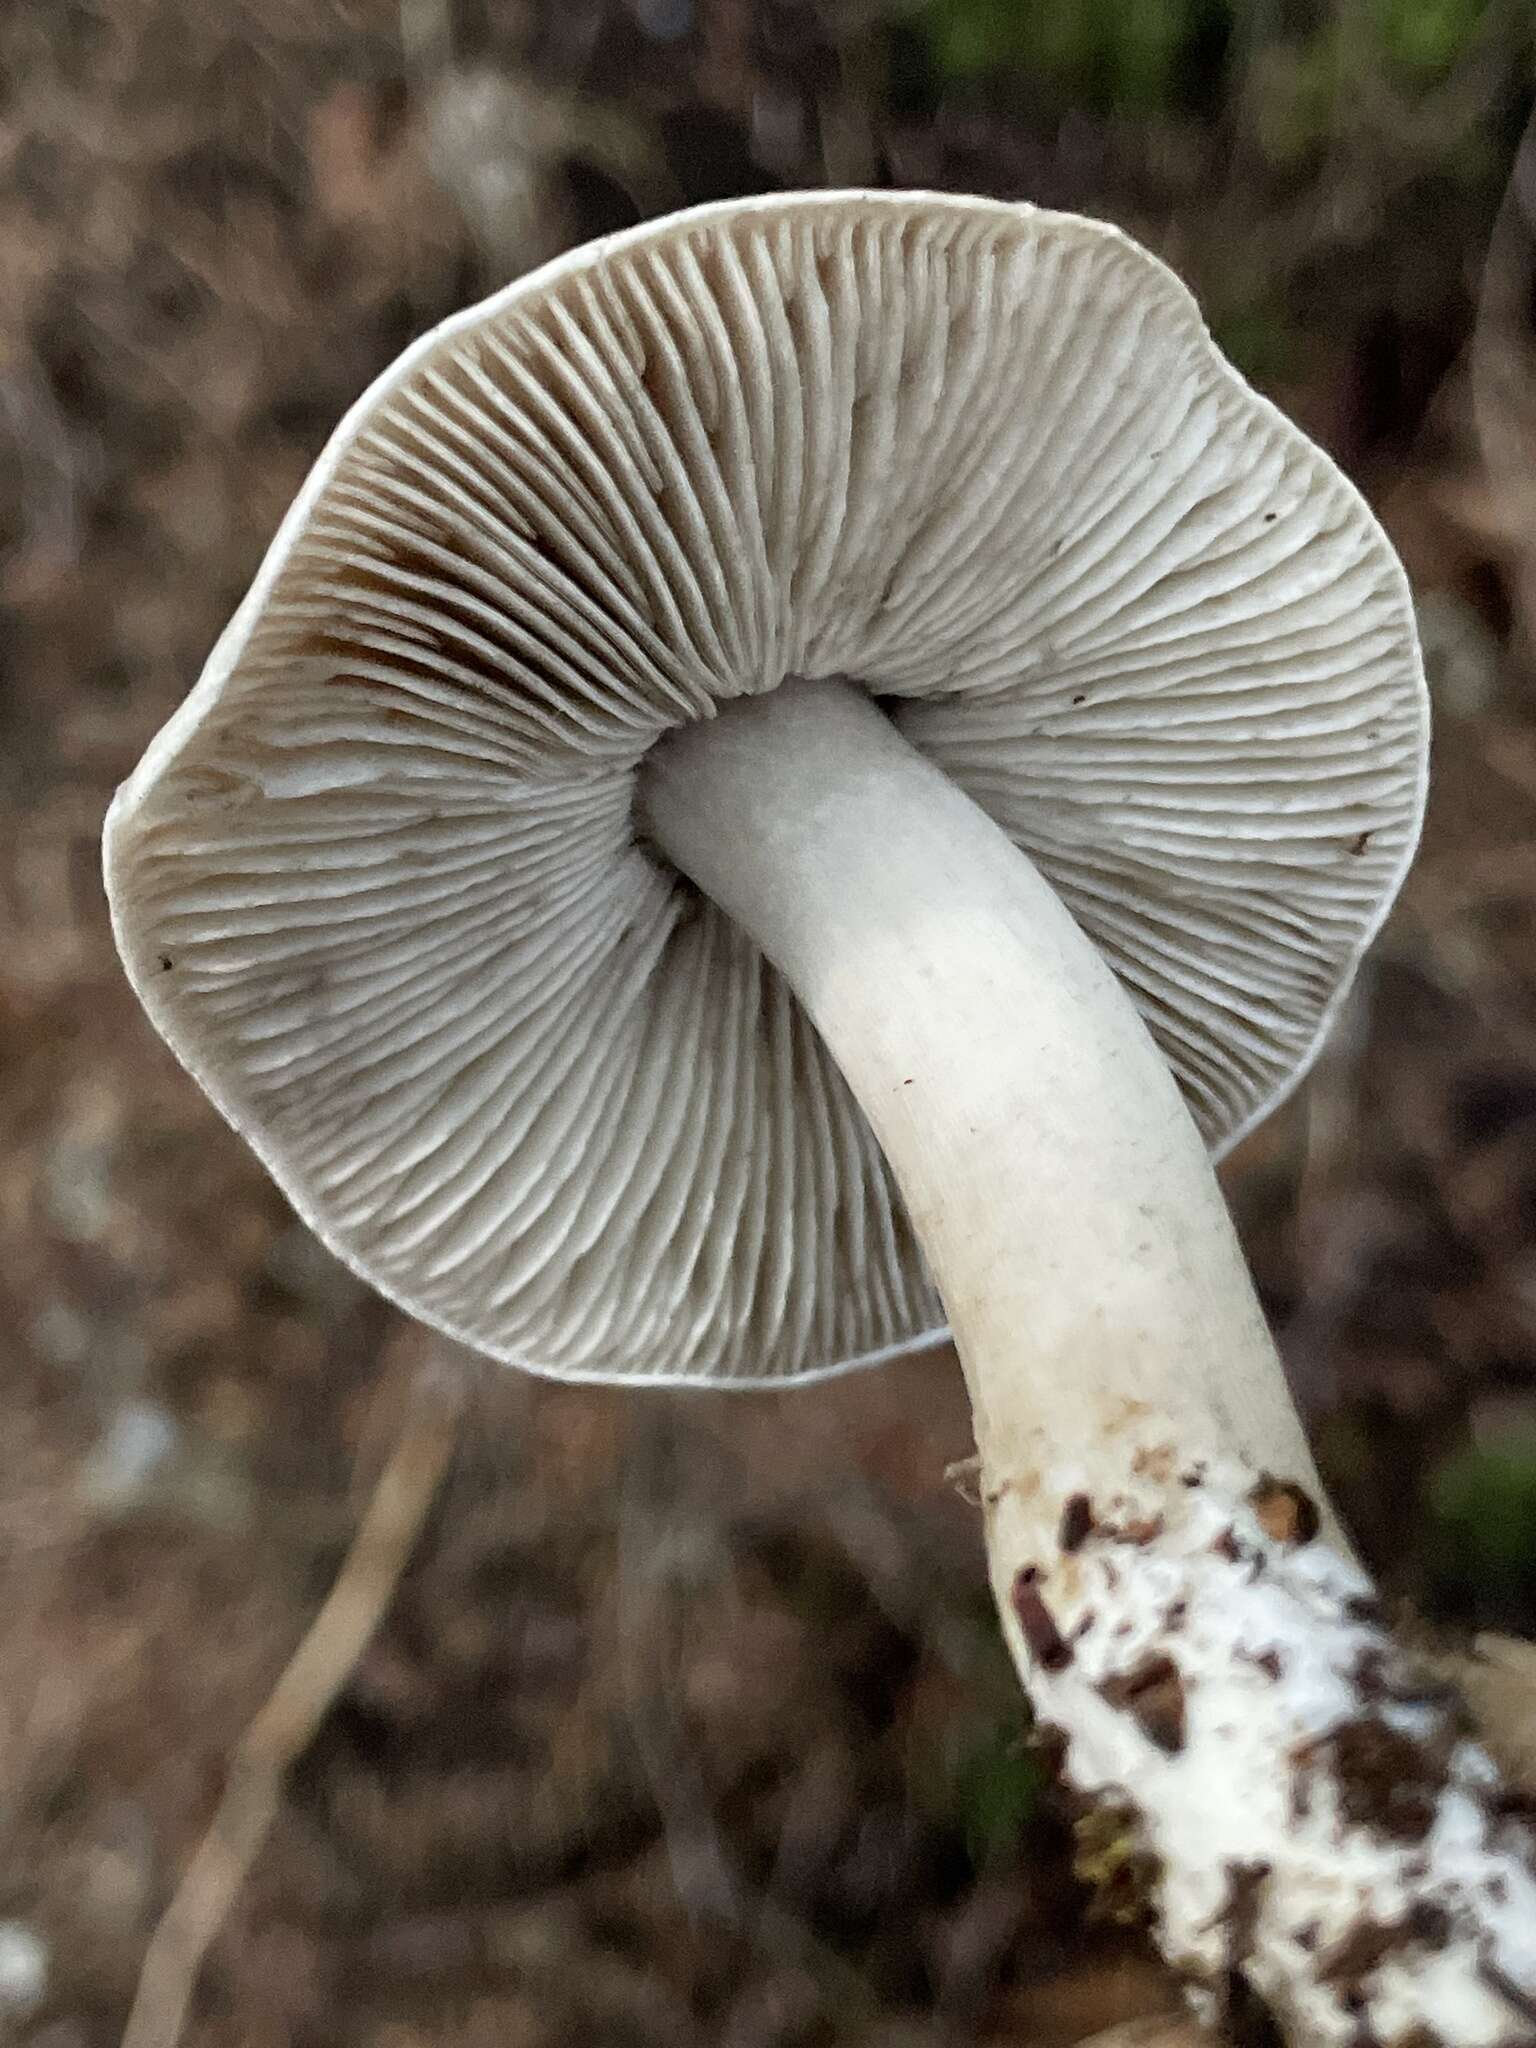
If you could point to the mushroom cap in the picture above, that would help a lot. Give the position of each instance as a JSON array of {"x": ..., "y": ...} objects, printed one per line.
[{"x": 378, "y": 882}]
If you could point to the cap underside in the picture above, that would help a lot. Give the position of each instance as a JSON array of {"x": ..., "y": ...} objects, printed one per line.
[{"x": 378, "y": 883}]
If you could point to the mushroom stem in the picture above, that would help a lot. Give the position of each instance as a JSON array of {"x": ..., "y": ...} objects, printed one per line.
[
  {"x": 1308, "y": 1820},
  {"x": 1051, "y": 1170}
]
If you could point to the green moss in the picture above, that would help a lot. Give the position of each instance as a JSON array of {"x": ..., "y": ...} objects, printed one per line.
[
  {"x": 996, "y": 1783},
  {"x": 1257, "y": 337},
  {"x": 1110, "y": 53},
  {"x": 1141, "y": 56},
  {"x": 1294, "y": 97},
  {"x": 1142, "y": 50},
  {"x": 1482, "y": 1534},
  {"x": 1423, "y": 39}
]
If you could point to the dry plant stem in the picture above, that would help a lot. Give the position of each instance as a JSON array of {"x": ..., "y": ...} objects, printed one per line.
[
  {"x": 285, "y": 1726},
  {"x": 1308, "y": 1819}
]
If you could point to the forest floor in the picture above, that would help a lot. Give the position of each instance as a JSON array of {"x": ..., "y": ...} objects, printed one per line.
[{"x": 689, "y": 1723}]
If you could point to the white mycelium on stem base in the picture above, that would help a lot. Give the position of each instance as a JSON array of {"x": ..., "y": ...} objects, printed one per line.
[{"x": 1310, "y": 1815}]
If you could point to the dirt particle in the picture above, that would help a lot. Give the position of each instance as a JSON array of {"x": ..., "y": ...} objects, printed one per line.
[
  {"x": 1240, "y": 1912},
  {"x": 1368, "y": 1674},
  {"x": 1287, "y": 1512},
  {"x": 1386, "y": 1781},
  {"x": 1360, "y": 842},
  {"x": 1511, "y": 1803},
  {"x": 1042, "y": 1638},
  {"x": 1076, "y": 1522},
  {"x": 1430, "y": 1925},
  {"x": 1155, "y": 1462},
  {"x": 1152, "y": 1693},
  {"x": 1141, "y": 1530},
  {"x": 1226, "y": 1545},
  {"x": 1381, "y": 1675},
  {"x": 1051, "y": 1744},
  {"x": 1359, "y": 1953},
  {"x": 1301, "y": 1789},
  {"x": 1269, "y": 1662}
]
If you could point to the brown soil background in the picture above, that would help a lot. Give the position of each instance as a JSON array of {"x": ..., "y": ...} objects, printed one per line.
[{"x": 689, "y": 1723}]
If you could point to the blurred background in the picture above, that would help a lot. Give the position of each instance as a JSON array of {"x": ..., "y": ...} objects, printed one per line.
[{"x": 688, "y": 1722}]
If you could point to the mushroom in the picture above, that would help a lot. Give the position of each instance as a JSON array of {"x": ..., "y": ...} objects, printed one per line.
[{"x": 824, "y": 740}]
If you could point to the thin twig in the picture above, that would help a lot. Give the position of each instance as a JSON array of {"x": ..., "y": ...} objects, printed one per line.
[{"x": 288, "y": 1722}]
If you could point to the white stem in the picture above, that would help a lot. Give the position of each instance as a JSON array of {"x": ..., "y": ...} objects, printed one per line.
[
  {"x": 1059, "y": 1188},
  {"x": 1207, "y": 1656}
]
